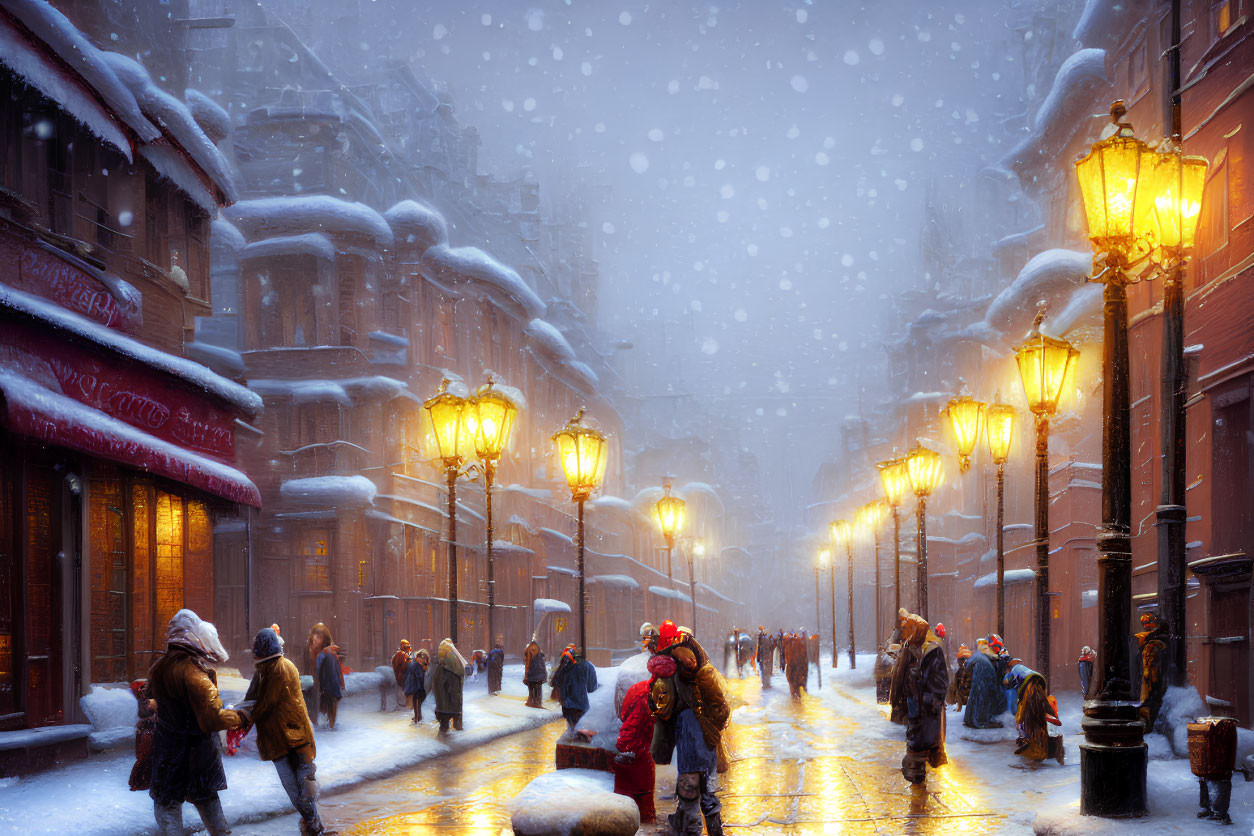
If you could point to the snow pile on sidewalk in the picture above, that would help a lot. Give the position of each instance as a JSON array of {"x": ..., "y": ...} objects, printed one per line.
[
  {"x": 366, "y": 744},
  {"x": 572, "y": 801}
]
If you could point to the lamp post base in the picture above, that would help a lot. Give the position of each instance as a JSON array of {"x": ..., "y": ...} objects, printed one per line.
[{"x": 1113, "y": 761}]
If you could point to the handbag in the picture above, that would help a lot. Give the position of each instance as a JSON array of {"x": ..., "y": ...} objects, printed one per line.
[{"x": 662, "y": 747}]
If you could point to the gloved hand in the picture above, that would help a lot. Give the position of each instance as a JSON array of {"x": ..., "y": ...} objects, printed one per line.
[{"x": 625, "y": 757}]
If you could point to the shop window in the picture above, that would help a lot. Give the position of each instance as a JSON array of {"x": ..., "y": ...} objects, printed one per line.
[
  {"x": 316, "y": 562},
  {"x": 1224, "y": 13},
  {"x": 168, "y": 580},
  {"x": 109, "y": 580}
]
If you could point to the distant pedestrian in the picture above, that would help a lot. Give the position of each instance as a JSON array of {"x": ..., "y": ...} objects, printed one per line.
[
  {"x": 648, "y": 638},
  {"x": 961, "y": 686},
  {"x": 399, "y": 660},
  {"x": 186, "y": 753},
  {"x": 534, "y": 674},
  {"x": 447, "y": 679},
  {"x": 765, "y": 656},
  {"x": 330, "y": 682},
  {"x": 1085, "y": 667},
  {"x": 986, "y": 700},
  {"x": 496, "y": 665},
  {"x": 1153, "y": 687},
  {"x": 145, "y": 728},
  {"x": 1034, "y": 710},
  {"x": 275, "y": 705},
  {"x": 574, "y": 678},
  {"x": 634, "y": 773},
  {"x": 927, "y": 679},
  {"x": 796, "y": 665},
  {"x": 415, "y": 684}
]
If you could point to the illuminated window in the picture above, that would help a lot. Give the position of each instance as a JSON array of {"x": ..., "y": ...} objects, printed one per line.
[
  {"x": 316, "y": 562},
  {"x": 1221, "y": 15}
]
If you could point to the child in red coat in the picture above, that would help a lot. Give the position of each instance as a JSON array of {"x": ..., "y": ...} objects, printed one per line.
[{"x": 633, "y": 767}]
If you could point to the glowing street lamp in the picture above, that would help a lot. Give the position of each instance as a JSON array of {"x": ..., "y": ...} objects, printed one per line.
[
  {"x": 489, "y": 417},
  {"x": 1123, "y": 220},
  {"x": 869, "y": 518},
  {"x": 965, "y": 416},
  {"x": 999, "y": 421},
  {"x": 842, "y": 535},
  {"x": 583, "y": 452},
  {"x": 1170, "y": 226},
  {"x": 451, "y": 444},
  {"x": 670, "y": 512},
  {"x": 924, "y": 470},
  {"x": 895, "y": 482},
  {"x": 1044, "y": 365}
]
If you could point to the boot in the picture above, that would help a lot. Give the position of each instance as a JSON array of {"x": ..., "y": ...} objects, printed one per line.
[
  {"x": 1203, "y": 800},
  {"x": 457, "y": 723},
  {"x": 714, "y": 824}
]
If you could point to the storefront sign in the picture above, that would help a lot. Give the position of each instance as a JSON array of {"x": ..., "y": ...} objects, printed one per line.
[
  {"x": 27, "y": 266},
  {"x": 127, "y": 391}
]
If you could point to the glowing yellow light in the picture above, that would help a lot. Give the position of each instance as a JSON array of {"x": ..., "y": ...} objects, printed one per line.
[
  {"x": 924, "y": 468},
  {"x": 491, "y": 422},
  {"x": 445, "y": 427},
  {"x": 1044, "y": 363},
  {"x": 825, "y": 558},
  {"x": 670, "y": 512},
  {"x": 1172, "y": 184},
  {"x": 999, "y": 421},
  {"x": 842, "y": 533},
  {"x": 872, "y": 514},
  {"x": 894, "y": 479},
  {"x": 582, "y": 452},
  {"x": 966, "y": 418}
]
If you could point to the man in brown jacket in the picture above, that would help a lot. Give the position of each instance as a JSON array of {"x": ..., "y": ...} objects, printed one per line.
[
  {"x": 186, "y": 753},
  {"x": 400, "y": 660},
  {"x": 284, "y": 734}
]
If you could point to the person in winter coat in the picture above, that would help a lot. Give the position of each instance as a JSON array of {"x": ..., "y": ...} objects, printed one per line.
[
  {"x": 447, "y": 678},
  {"x": 400, "y": 659},
  {"x": 885, "y": 663},
  {"x": 797, "y": 666},
  {"x": 1085, "y": 667},
  {"x": 693, "y": 705},
  {"x": 496, "y": 665},
  {"x": 986, "y": 700},
  {"x": 534, "y": 674},
  {"x": 1001, "y": 665},
  {"x": 275, "y": 705},
  {"x": 960, "y": 691},
  {"x": 145, "y": 728},
  {"x": 1034, "y": 709},
  {"x": 575, "y": 678},
  {"x": 330, "y": 683},
  {"x": 927, "y": 679},
  {"x": 1153, "y": 642},
  {"x": 648, "y": 638},
  {"x": 415, "y": 683},
  {"x": 186, "y": 752},
  {"x": 634, "y": 773},
  {"x": 765, "y": 651},
  {"x": 896, "y": 680}
]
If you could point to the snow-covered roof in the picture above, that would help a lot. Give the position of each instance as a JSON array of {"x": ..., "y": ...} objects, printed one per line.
[
  {"x": 310, "y": 243},
  {"x": 458, "y": 265},
  {"x": 1064, "y": 109},
  {"x": 77, "y": 51},
  {"x": 1049, "y": 276},
  {"x": 416, "y": 223},
  {"x": 180, "y": 367},
  {"x": 174, "y": 116},
  {"x": 224, "y": 235},
  {"x": 551, "y": 339},
  {"x": 506, "y": 547},
  {"x": 692, "y": 488},
  {"x": 670, "y": 593},
  {"x": 584, "y": 373},
  {"x": 330, "y": 490},
  {"x": 542, "y": 605},
  {"x": 347, "y": 391},
  {"x": 52, "y": 417},
  {"x": 1012, "y": 576},
  {"x": 621, "y": 581},
  {"x": 269, "y": 216},
  {"x": 209, "y": 115}
]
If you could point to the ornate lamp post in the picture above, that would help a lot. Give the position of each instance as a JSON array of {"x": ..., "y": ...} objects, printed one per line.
[
  {"x": 842, "y": 534},
  {"x": 1172, "y": 225},
  {"x": 1113, "y": 757},
  {"x": 825, "y": 559},
  {"x": 869, "y": 517},
  {"x": 999, "y": 421},
  {"x": 670, "y": 513},
  {"x": 895, "y": 482},
  {"x": 697, "y": 550},
  {"x": 965, "y": 417},
  {"x": 451, "y": 443},
  {"x": 491, "y": 421},
  {"x": 1044, "y": 364},
  {"x": 583, "y": 453},
  {"x": 923, "y": 469}
]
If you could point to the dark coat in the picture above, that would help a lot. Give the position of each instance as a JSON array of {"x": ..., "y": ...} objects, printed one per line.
[
  {"x": 186, "y": 752},
  {"x": 575, "y": 680},
  {"x": 766, "y": 665},
  {"x": 415, "y": 684},
  {"x": 533, "y": 661},
  {"x": 987, "y": 698},
  {"x": 330, "y": 675},
  {"x": 927, "y": 682},
  {"x": 447, "y": 680}
]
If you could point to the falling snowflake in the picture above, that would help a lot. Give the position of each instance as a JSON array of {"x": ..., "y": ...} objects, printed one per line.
[
  {"x": 656, "y": 135},
  {"x": 916, "y": 144},
  {"x": 851, "y": 57},
  {"x": 763, "y": 173},
  {"x": 709, "y": 346},
  {"x": 529, "y": 104},
  {"x": 800, "y": 84},
  {"x": 876, "y": 46},
  {"x": 607, "y": 228},
  {"x": 741, "y": 315},
  {"x": 793, "y": 132},
  {"x": 722, "y": 215},
  {"x": 585, "y": 68},
  {"x": 625, "y": 18},
  {"x": 821, "y": 158},
  {"x": 439, "y": 32},
  {"x": 727, "y": 191},
  {"x": 846, "y": 260},
  {"x": 639, "y": 163}
]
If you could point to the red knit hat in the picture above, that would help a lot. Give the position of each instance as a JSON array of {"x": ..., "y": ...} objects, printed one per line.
[
  {"x": 668, "y": 635},
  {"x": 940, "y": 629}
]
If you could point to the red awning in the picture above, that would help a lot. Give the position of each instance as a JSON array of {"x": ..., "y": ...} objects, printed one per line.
[{"x": 36, "y": 411}]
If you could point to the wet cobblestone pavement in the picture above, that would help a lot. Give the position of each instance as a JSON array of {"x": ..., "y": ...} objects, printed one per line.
[{"x": 796, "y": 768}]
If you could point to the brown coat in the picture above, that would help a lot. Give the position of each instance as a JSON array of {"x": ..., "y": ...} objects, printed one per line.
[
  {"x": 279, "y": 711},
  {"x": 180, "y": 676}
]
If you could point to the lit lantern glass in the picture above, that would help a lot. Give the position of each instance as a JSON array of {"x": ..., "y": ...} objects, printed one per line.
[
  {"x": 894, "y": 479},
  {"x": 842, "y": 533},
  {"x": 924, "y": 468},
  {"x": 999, "y": 421},
  {"x": 493, "y": 416},
  {"x": 966, "y": 419},
  {"x": 1172, "y": 202},
  {"x": 582, "y": 452},
  {"x": 1044, "y": 364},
  {"x": 670, "y": 512},
  {"x": 1110, "y": 186},
  {"x": 445, "y": 427}
]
